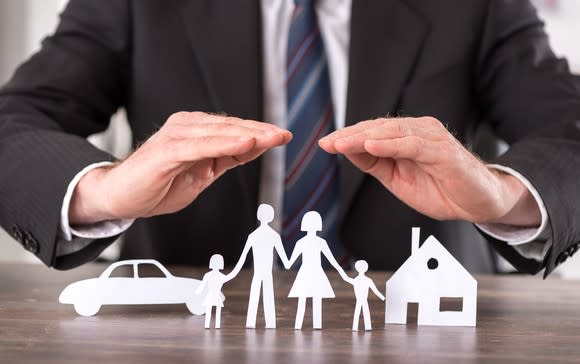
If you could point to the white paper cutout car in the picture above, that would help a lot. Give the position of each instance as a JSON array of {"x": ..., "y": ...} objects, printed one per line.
[
  {"x": 428, "y": 275},
  {"x": 89, "y": 295}
]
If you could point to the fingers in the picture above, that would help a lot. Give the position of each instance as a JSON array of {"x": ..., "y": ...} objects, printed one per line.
[
  {"x": 351, "y": 139},
  {"x": 223, "y": 129},
  {"x": 209, "y": 147},
  {"x": 341, "y": 133},
  {"x": 241, "y": 149},
  {"x": 226, "y": 163},
  {"x": 411, "y": 147},
  {"x": 265, "y": 138},
  {"x": 191, "y": 137},
  {"x": 382, "y": 168},
  {"x": 363, "y": 161},
  {"x": 193, "y": 129},
  {"x": 201, "y": 119},
  {"x": 354, "y": 141},
  {"x": 250, "y": 156},
  {"x": 413, "y": 138}
]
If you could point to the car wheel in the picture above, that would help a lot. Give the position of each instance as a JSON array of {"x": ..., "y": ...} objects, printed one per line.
[
  {"x": 195, "y": 308},
  {"x": 87, "y": 309}
]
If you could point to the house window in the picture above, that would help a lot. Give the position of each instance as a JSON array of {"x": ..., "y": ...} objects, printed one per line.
[
  {"x": 432, "y": 263},
  {"x": 451, "y": 304}
]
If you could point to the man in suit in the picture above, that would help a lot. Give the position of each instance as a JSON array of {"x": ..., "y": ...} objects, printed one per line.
[{"x": 193, "y": 185}]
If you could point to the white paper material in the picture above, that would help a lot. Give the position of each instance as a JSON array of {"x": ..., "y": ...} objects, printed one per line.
[
  {"x": 89, "y": 295},
  {"x": 262, "y": 242},
  {"x": 211, "y": 284},
  {"x": 311, "y": 280},
  {"x": 419, "y": 281},
  {"x": 362, "y": 284}
]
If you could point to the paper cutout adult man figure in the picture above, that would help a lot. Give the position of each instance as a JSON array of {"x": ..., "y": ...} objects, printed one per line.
[
  {"x": 262, "y": 241},
  {"x": 213, "y": 281},
  {"x": 361, "y": 285},
  {"x": 311, "y": 281}
]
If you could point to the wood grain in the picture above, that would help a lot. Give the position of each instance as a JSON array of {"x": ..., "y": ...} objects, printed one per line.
[{"x": 520, "y": 319}]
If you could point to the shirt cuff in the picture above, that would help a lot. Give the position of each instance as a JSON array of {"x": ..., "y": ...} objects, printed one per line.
[
  {"x": 523, "y": 239},
  {"x": 103, "y": 229}
]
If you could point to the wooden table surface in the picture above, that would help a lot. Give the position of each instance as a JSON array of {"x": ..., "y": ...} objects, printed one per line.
[{"x": 520, "y": 319}]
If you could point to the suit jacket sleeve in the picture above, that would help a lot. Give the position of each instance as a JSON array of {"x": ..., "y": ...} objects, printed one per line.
[
  {"x": 533, "y": 102},
  {"x": 61, "y": 95}
]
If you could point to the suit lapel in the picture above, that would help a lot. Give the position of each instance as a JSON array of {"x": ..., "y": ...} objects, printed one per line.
[
  {"x": 226, "y": 37},
  {"x": 386, "y": 39}
]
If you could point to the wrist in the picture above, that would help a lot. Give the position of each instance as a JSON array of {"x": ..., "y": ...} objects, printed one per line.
[
  {"x": 88, "y": 203},
  {"x": 520, "y": 208}
]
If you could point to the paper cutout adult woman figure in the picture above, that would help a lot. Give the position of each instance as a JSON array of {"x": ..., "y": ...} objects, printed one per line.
[
  {"x": 214, "y": 280},
  {"x": 361, "y": 284},
  {"x": 311, "y": 281}
]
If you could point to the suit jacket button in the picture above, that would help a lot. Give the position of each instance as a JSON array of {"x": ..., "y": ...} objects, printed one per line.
[
  {"x": 570, "y": 251},
  {"x": 562, "y": 257},
  {"x": 17, "y": 233},
  {"x": 30, "y": 243},
  {"x": 574, "y": 248}
]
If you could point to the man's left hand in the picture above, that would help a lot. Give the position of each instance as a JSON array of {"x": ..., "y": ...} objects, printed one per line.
[{"x": 421, "y": 163}]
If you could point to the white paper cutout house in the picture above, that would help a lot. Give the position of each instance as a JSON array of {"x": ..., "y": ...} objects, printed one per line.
[{"x": 431, "y": 275}]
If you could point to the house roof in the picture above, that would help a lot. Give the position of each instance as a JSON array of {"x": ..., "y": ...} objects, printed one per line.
[{"x": 447, "y": 276}]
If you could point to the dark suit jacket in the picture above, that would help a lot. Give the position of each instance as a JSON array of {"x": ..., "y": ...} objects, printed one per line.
[{"x": 486, "y": 61}]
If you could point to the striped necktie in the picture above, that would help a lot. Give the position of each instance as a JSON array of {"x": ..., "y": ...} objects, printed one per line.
[{"x": 311, "y": 175}]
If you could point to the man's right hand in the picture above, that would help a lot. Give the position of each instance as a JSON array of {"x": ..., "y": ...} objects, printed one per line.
[{"x": 172, "y": 167}]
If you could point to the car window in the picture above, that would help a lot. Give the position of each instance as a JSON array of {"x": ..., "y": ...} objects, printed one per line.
[
  {"x": 125, "y": 271},
  {"x": 148, "y": 270}
]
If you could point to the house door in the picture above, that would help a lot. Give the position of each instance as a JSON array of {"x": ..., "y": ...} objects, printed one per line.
[{"x": 412, "y": 312}]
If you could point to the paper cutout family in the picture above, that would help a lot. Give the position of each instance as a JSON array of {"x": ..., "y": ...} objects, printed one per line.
[{"x": 429, "y": 275}]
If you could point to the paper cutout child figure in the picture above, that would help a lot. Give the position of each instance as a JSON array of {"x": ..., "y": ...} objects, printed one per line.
[
  {"x": 362, "y": 284},
  {"x": 214, "y": 280},
  {"x": 262, "y": 242},
  {"x": 311, "y": 281}
]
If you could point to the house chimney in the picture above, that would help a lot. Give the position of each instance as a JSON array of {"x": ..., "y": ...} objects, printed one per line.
[{"x": 415, "y": 235}]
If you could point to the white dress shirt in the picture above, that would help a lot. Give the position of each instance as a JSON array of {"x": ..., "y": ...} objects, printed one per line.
[{"x": 334, "y": 22}]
